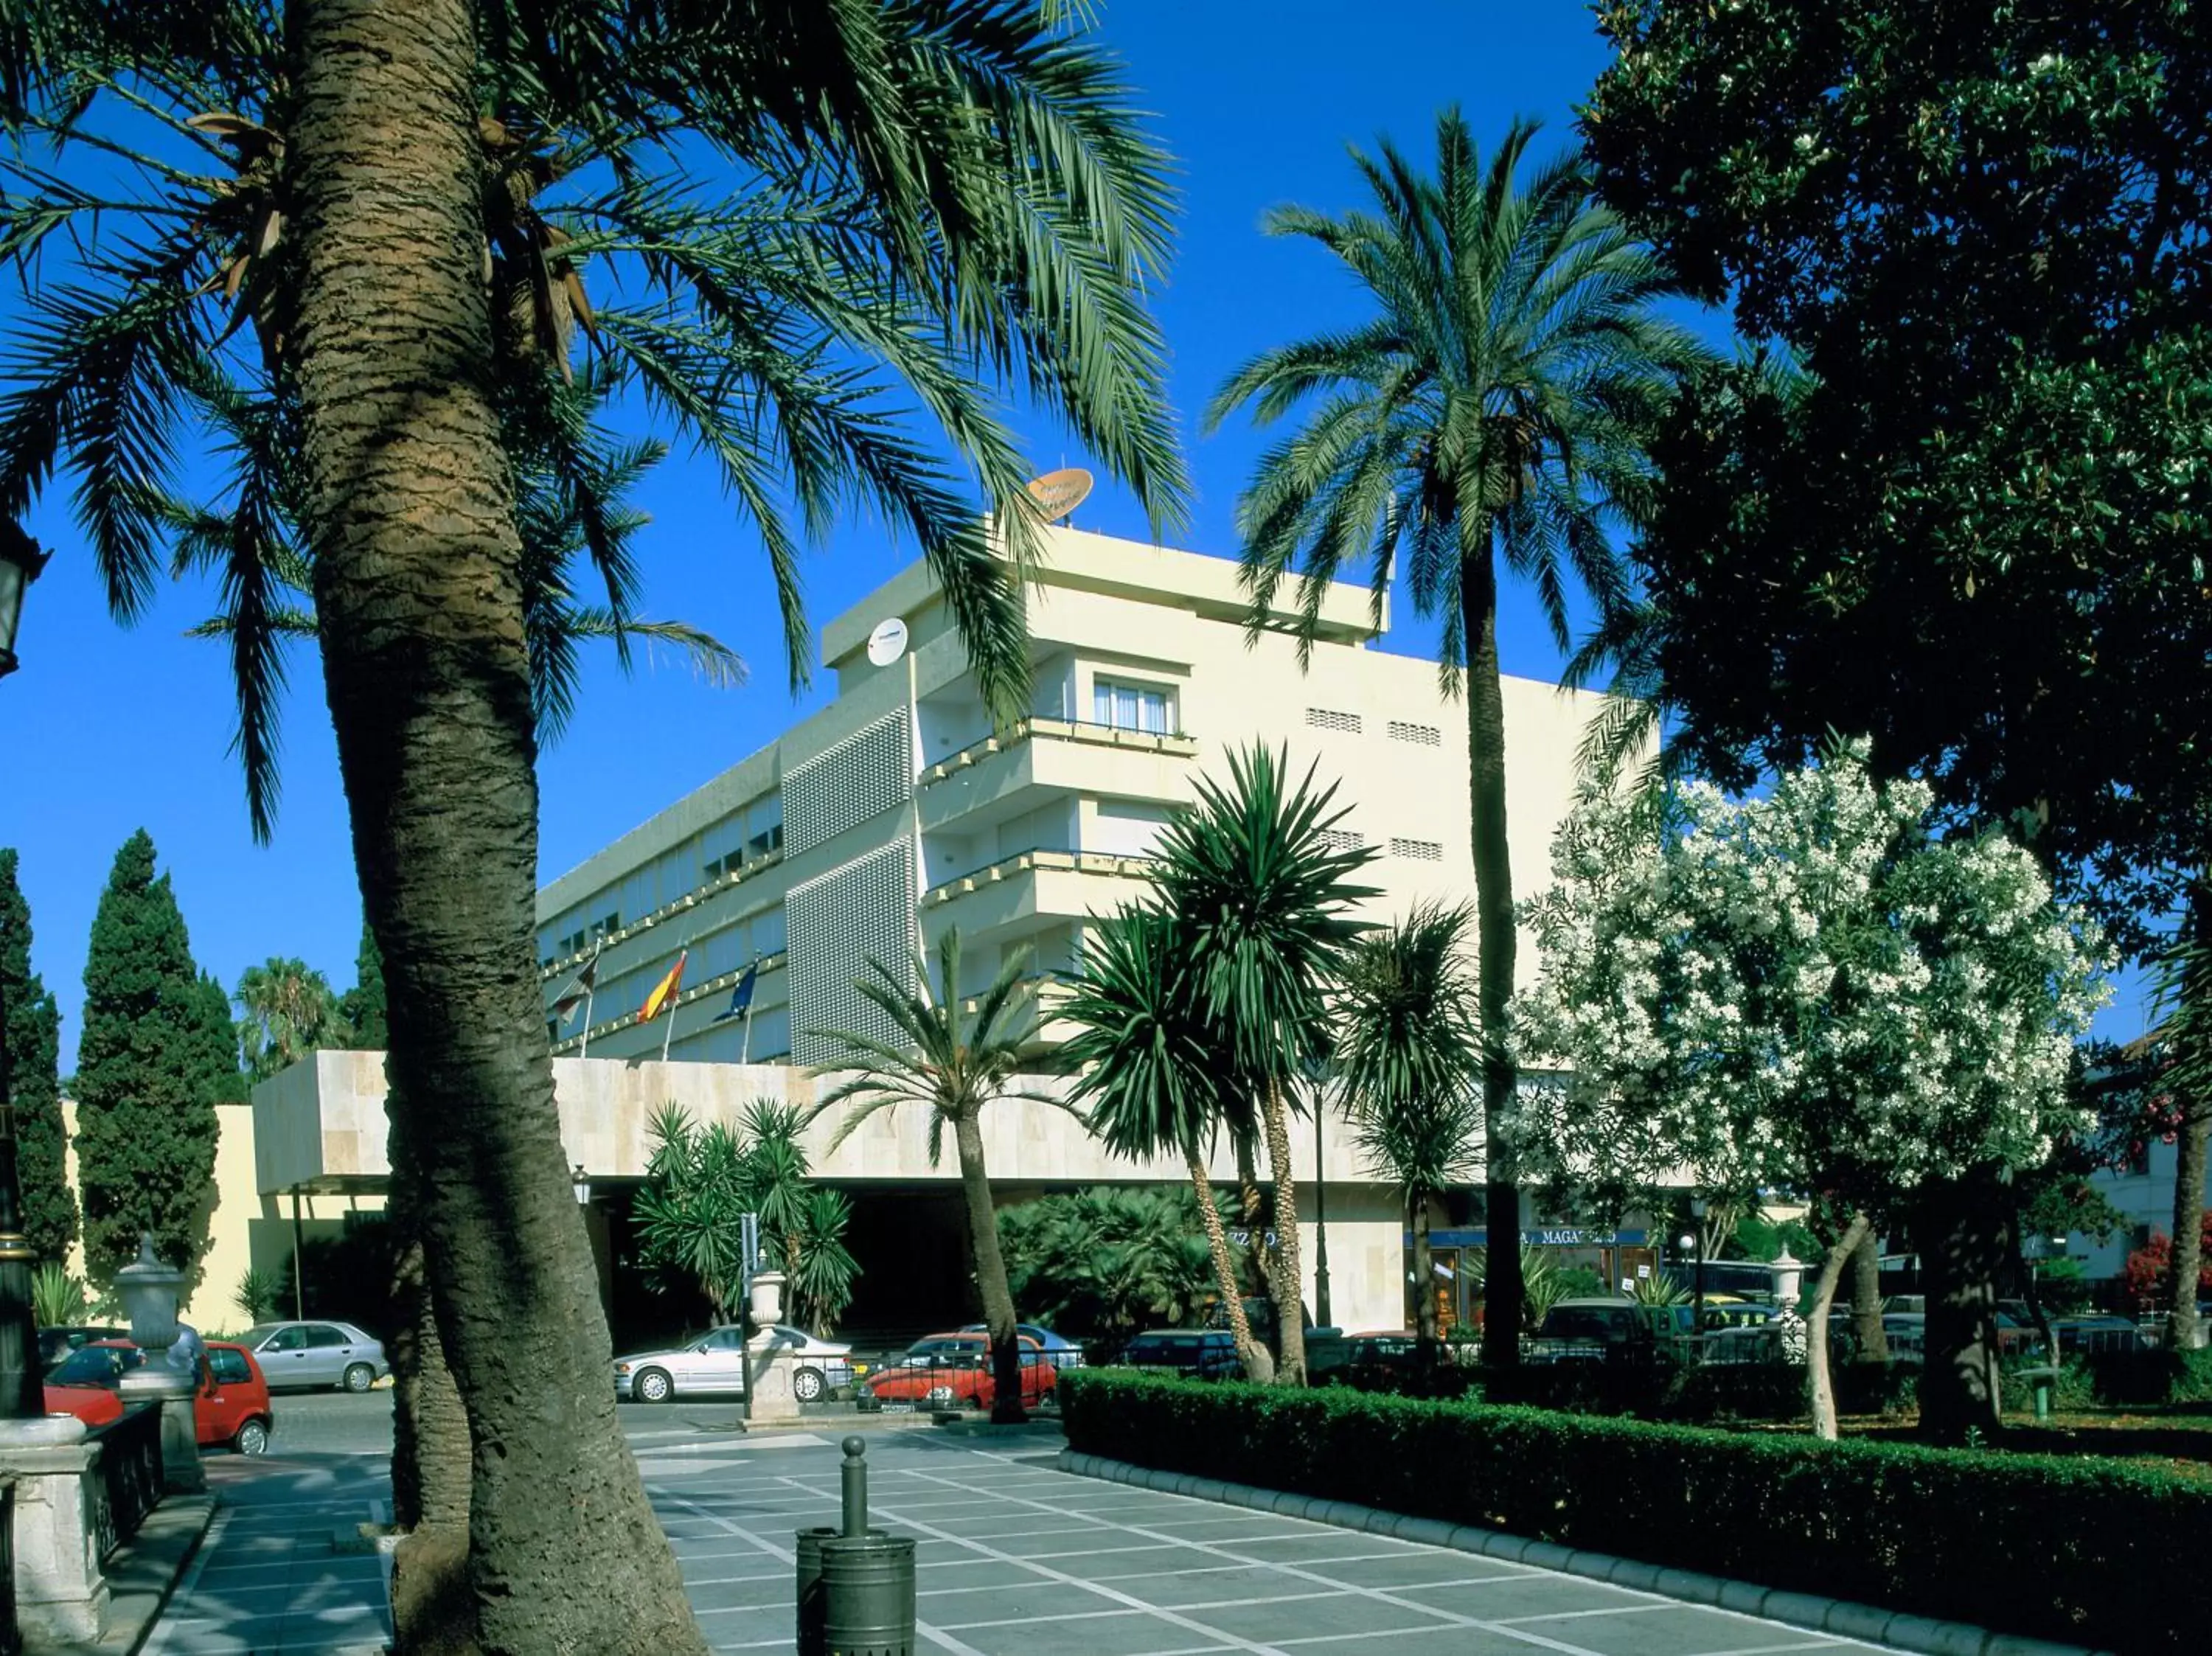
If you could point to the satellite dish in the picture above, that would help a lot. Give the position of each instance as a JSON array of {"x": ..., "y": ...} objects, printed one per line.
[
  {"x": 887, "y": 643},
  {"x": 1057, "y": 493}
]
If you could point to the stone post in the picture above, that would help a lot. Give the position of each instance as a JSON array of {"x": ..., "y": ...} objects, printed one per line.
[
  {"x": 770, "y": 1397},
  {"x": 175, "y": 1390},
  {"x": 61, "y": 1594},
  {"x": 170, "y": 1377}
]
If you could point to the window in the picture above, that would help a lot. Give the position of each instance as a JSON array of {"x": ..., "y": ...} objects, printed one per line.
[
  {"x": 229, "y": 1366},
  {"x": 323, "y": 1337},
  {"x": 1421, "y": 851},
  {"x": 1121, "y": 707},
  {"x": 1328, "y": 719},
  {"x": 294, "y": 1339},
  {"x": 763, "y": 827},
  {"x": 1425, "y": 735}
]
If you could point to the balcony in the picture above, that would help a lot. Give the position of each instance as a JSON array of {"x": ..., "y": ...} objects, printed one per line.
[
  {"x": 1003, "y": 776},
  {"x": 1036, "y": 887}
]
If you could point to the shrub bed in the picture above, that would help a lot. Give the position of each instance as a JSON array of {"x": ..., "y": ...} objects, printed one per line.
[{"x": 2089, "y": 1552}]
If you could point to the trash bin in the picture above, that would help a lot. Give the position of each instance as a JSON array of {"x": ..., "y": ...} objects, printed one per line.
[
  {"x": 867, "y": 1595},
  {"x": 808, "y": 1590}
]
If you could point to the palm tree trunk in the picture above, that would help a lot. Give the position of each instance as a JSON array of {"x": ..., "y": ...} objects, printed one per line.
[
  {"x": 2184, "y": 1329},
  {"x": 1259, "y": 1365},
  {"x": 1816, "y": 1329},
  {"x": 1282, "y": 1283},
  {"x": 1963, "y": 1229},
  {"x": 990, "y": 1271},
  {"x": 1867, "y": 1332},
  {"x": 1425, "y": 1284},
  {"x": 1495, "y": 946},
  {"x": 430, "y": 1469},
  {"x": 419, "y": 587}
]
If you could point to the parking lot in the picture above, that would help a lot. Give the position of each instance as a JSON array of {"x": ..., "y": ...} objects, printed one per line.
[{"x": 1015, "y": 1557}]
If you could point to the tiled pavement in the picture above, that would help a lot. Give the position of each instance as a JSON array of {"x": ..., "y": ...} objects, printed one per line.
[{"x": 1015, "y": 1557}]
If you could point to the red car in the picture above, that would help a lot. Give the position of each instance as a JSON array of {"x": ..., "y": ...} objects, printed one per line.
[
  {"x": 231, "y": 1408},
  {"x": 950, "y": 1371}
]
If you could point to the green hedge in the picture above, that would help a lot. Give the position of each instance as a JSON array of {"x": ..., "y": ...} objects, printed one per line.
[{"x": 2090, "y": 1551}]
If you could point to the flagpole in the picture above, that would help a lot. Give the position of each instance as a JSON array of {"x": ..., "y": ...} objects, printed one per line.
[
  {"x": 745, "y": 1050},
  {"x": 668, "y": 1034},
  {"x": 586, "y": 1050}
]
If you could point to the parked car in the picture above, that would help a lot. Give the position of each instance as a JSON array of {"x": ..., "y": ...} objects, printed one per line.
[
  {"x": 300, "y": 1355},
  {"x": 1371, "y": 1352},
  {"x": 55, "y": 1344},
  {"x": 1199, "y": 1353},
  {"x": 712, "y": 1363},
  {"x": 1609, "y": 1331},
  {"x": 819, "y": 1366},
  {"x": 2096, "y": 1334},
  {"x": 1058, "y": 1350},
  {"x": 955, "y": 1371},
  {"x": 231, "y": 1407}
]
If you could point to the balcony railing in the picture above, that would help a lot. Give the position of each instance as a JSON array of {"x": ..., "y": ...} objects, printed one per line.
[
  {"x": 1173, "y": 743},
  {"x": 130, "y": 1474},
  {"x": 1108, "y": 863}
]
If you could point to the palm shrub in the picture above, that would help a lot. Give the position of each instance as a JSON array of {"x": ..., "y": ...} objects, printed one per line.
[
  {"x": 1154, "y": 1073},
  {"x": 1261, "y": 890},
  {"x": 953, "y": 1063},
  {"x": 57, "y": 1299},
  {"x": 1490, "y": 410},
  {"x": 256, "y": 1294},
  {"x": 1409, "y": 1059},
  {"x": 1110, "y": 1260}
]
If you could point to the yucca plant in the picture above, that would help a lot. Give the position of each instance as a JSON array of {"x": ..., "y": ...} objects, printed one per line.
[
  {"x": 1261, "y": 890},
  {"x": 1409, "y": 1060},
  {"x": 1490, "y": 410},
  {"x": 57, "y": 1299},
  {"x": 953, "y": 1064},
  {"x": 256, "y": 1294}
]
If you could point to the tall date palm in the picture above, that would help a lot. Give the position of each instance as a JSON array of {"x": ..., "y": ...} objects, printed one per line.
[
  {"x": 417, "y": 205},
  {"x": 1486, "y": 414}
]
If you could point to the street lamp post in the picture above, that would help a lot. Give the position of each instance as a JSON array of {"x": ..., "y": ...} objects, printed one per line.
[
  {"x": 1322, "y": 1318},
  {"x": 1698, "y": 1212},
  {"x": 21, "y": 560}
]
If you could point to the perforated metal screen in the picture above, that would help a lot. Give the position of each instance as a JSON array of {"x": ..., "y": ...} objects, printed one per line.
[
  {"x": 837, "y": 923},
  {"x": 866, "y": 773}
]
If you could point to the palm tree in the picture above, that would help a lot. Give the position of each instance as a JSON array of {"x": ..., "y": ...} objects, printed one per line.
[
  {"x": 896, "y": 205},
  {"x": 1489, "y": 410},
  {"x": 1409, "y": 1058},
  {"x": 1261, "y": 891},
  {"x": 953, "y": 1063},
  {"x": 1154, "y": 1071},
  {"x": 289, "y": 1010}
]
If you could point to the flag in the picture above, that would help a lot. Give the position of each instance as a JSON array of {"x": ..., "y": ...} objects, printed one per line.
[
  {"x": 741, "y": 998},
  {"x": 663, "y": 992},
  {"x": 580, "y": 991}
]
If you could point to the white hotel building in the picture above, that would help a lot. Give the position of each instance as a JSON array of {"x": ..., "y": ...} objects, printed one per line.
[{"x": 896, "y": 811}]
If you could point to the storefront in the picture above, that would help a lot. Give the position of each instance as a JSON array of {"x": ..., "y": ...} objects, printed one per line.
[{"x": 1618, "y": 1258}]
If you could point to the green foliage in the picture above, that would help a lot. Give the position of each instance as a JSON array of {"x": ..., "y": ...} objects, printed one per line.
[
  {"x": 700, "y": 1181},
  {"x": 2141, "y": 1379},
  {"x": 30, "y": 1042},
  {"x": 156, "y": 1054},
  {"x": 1409, "y": 1050},
  {"x": 57, "y": 1299},
  {"x": 1757, "y": 1237},
  {"x": 256, "y": 1293},
  {"x": 1966, "y": 515},
  {"x": 1660, "y": 1288},
  {"x": 1581, "y": 1283},
  {"x": 2049, "y": 1547},
  {"x": 1107, "y": 1261},
  {"x": 289, "y": 1010},
  {"x": 360, "y": 1008}
]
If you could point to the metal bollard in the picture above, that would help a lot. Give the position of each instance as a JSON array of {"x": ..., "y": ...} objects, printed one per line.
[{"x": 866, "y": 1591}]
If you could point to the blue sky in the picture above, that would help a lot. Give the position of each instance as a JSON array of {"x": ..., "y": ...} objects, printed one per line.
[{"x": 114, "y": 729}]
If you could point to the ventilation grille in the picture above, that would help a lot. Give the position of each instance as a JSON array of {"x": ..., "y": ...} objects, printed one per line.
[
  {"x": 1425, "y": 735},
  {"x": 1341, "y": 839},
  {"x": 863, "y": 776},
  {"x": 837, "y": 923},
  {"x": 1421, "y": 851},
  {"x": 1328, "y": 719}
]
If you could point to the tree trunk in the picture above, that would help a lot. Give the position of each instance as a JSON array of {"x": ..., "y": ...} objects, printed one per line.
[
  {"x": 1495, "y": 946},
  {"x": 1867, "y": 1330},
  {"x": 1961, "y": 1233},
  {"x": 1424, "y": 1280},
  {"x": 1259, "y": 1362},
  {"x": 990, "y": 1272},
  {"x": 418, "y": 588},
  {"x": 1816, "y": 1328},
  {"x": 431, "y": 1612},
  {"x": 2184, "y": 1329},
  {"x": 1283, "y": 1284}
]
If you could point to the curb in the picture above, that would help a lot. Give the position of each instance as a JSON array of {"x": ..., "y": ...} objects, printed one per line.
[{"x": 1894, "y": 1628}]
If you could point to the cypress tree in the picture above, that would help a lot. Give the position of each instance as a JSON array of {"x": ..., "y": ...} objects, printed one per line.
[
  {"x": 30, "y": 1047},
  {"x": 157, "y": 1053},
  {"x": 362, "y": 1007}
]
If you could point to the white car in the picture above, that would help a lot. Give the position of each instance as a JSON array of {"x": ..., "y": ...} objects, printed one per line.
[{"x": 716, "y": 1363}]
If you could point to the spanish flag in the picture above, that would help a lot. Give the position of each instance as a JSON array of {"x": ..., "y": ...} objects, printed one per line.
[{"x": 663, "y": 992}]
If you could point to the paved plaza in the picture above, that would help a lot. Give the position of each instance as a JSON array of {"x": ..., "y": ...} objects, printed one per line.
[{"x": 1015, "y": 1557}]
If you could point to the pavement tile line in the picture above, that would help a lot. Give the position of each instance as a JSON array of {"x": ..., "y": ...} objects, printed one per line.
[{"x": 1837, "y": 1617}]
